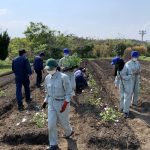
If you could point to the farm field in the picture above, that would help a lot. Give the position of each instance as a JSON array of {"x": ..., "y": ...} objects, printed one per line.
[{"x": 18, "y": 132}]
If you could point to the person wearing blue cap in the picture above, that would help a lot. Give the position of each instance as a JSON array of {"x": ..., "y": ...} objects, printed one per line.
[
  {"x": 123, "y": 79},
  {"x": 38, "y": 67},
  {"x": 69, "y": 72},
  {"x": 135, "y": 68},
  {"x": 115, "y": 59}
]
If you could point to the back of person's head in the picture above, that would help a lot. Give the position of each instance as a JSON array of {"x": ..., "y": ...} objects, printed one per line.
[
  {"x": 58, "y": 68},
  {"x": 22, "y": 51},
  {"x": 120, "y": 64},
  {"x": 41, "y": 54},
  {"x": 80, "y": 68},
  {"x": 115, "y": 60}
]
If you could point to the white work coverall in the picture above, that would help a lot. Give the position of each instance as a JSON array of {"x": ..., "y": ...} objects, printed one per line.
[
  {"x": 71, "y": 75},
  {"x": 124, "y": 81},
  {"x": 135, "y": 68},
  {"x": 58, "y": 89}
]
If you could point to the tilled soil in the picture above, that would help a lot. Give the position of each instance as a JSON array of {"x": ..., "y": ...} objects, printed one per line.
[
  {"x": 6, "y": 79},
  {"x": 91, "y": 133}
]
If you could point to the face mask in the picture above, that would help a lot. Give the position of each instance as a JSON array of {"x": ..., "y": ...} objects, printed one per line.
[
  {"x": 51, "y": 71},
  {"x": 134, "y": 59},
  {"x": 66, "y": 55}
]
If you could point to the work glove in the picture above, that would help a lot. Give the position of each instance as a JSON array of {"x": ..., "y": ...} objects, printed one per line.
[
  {"x": 44, "y": 105},
  {"x": 64, "y": 106}
]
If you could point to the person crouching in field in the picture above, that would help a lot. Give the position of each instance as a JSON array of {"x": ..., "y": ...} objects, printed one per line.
[
  {"x": 58, "y": 88},
  {"x": 81, "y": 82},
  {"x": 124, "y": 81}
]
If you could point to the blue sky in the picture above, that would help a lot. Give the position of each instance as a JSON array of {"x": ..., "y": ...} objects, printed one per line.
[{"x": 88, "y": 18}]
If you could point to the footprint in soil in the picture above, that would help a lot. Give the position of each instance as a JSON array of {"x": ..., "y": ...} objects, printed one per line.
[
  {"x": 145, "y": 107},
  {"x": 144, "y": 116}
]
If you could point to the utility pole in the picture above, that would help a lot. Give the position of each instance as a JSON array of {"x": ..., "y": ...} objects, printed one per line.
[{"x": 142, "y": 32}]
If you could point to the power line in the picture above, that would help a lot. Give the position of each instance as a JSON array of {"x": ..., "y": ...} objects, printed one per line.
[{"x": 142, "y": 32}]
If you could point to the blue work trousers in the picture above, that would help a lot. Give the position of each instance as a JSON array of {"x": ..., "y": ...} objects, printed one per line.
[
  {"x": 26, "y": 83},
  {"x": 38, "y": 77}
]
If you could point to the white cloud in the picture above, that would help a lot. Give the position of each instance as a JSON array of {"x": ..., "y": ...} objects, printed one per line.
[{"x": 3, "y": 12}]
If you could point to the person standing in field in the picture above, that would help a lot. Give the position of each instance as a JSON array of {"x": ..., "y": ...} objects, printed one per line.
[
  {"x": 135, "y": 68},
  {"x": 22, "y": 70},
  {"x": 123, "y": 80},
  {"x": 58, "y": 88},
  {"x": 65, "y": 69},
  {"x": 38, "y": 67}
]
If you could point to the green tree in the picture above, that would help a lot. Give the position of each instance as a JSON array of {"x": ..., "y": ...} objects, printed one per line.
[
  {"x": 16, "y": 44},
  {"x": 4, "y": 43},
  {"x": 55, "y": 53},
  {"x": 85, "y": 51},
  {"x": 40, "y": 37},
  {"x": 119, "y": 49}
]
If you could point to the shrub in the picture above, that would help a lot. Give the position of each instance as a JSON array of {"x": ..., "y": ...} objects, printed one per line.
[{"x": 4, "y": 43}]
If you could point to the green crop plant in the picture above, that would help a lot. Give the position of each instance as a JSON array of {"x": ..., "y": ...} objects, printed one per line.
[
  {"x": 72, "y": 61},
  {"x": 110, "y": 114},
  {"x": 94, "y": 99},
  {"x": 92, "y": 82},
  {"x": 2, "y": 93},
  {"x": 40, "y": 119}
]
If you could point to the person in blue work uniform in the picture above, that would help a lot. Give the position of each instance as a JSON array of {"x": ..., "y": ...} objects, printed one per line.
[
  {"x": 68, "y": 72},
  {"x": 58, "y": 88},
  {"x": 22, "y": 70},
  {"x": 38, "y": 67},
  {"x": 81, "y": 82},
  {"x": 135, "y": 68},
  {"x": 123, "y": 80}
]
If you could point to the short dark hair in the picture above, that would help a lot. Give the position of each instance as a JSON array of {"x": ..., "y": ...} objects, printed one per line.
[
  {"x": 21, "y": 52},
  {"x": 42, "y": 54}
]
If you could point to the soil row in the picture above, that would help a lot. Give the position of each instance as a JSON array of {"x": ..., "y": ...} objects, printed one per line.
[{"x": 91, "y": 133}]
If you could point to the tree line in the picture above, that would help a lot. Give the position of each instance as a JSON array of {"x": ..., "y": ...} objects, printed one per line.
[{"x": 39, "y": 37}]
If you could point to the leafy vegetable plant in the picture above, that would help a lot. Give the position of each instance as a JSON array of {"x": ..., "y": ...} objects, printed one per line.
[
  {"x": 72, "y": 61},
  {"x": 109, "y": 114},
  {"x": 39, "y": 119},
  {"x": 2, "y": 93}
]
